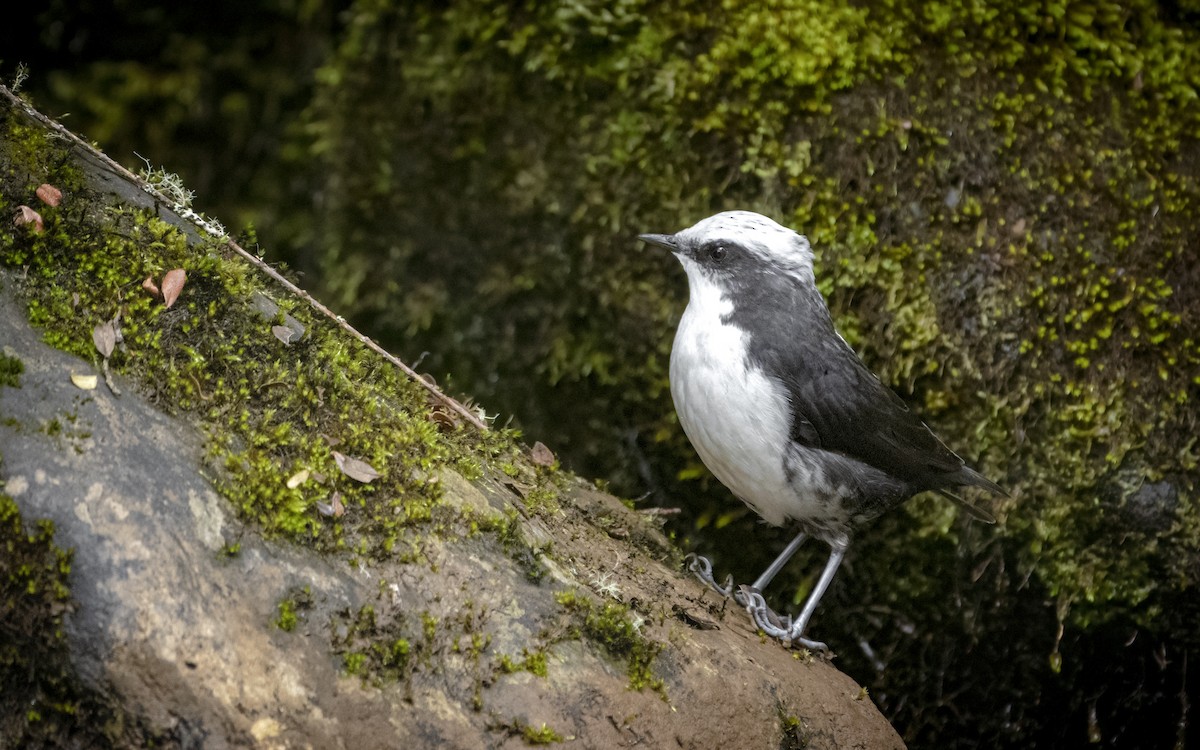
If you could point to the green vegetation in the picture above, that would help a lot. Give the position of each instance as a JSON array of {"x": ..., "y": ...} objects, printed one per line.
[
  {"x": 1003, "y": 200},
  {"x": 1000, "y": 197},
  {"x": 617, "y": 630},
  {"x": 372, "y": 647},
  {"x": 11, "y": 369},
  {"x": 270, "y": 411},
  {"x": 41, "y": 701},
  {"x": 292, "y": 607}
]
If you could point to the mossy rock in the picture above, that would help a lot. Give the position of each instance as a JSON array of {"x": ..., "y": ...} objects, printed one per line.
[{"x": 1003, "y": 201}]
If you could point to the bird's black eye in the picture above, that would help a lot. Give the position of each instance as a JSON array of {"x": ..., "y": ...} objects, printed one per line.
[{"x": 717, "y": 253}]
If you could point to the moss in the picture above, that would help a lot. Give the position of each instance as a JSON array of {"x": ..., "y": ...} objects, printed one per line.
[
  {"x": 381, "y": 647},
  {"x": 794, "y": 737},
  {"x": 292, "y": 608},
  {"x": 268, "y": 410},
  {"x": 11, "y": 369},
  {"x": 533, "y": 662},
  {"x": 543, "y": 735},
  {"x": 42, "y": 701},
  {"x": 617, "y": 631},
  {"x": 998, "y": 195}
]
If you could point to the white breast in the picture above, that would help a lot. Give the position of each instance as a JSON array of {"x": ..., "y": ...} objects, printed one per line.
[{"x": 737, "y": 419}]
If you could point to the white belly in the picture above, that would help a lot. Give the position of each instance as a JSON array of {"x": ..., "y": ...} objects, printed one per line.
[{"x": 736, "y": 418}]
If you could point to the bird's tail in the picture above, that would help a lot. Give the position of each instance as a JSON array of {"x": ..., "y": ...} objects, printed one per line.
[{"x": 970, "y": 477}]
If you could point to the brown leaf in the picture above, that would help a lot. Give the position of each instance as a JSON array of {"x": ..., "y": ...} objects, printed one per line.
[
  {"x": 49, "y": 194},
  {"x": 104, "y": 336},
  {"x": 172, "y": 285},
  {"x": 542, "y": 456},
  {"x": 356, "y": 469},
  {"x": 332, "y": 508},
  {"x": 445, "y": 421},
  {"x": 27, "y": 216},
  {"x": 151, "y": 287}
]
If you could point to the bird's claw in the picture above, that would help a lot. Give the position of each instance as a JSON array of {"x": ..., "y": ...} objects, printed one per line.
[
  {"x": 773, "y": 624},
  {"x": 702, "y": 569}
]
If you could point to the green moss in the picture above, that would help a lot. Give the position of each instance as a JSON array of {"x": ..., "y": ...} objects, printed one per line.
[
  {"x": 42, "y": 701},
  {"x": 543, "y": 735},
  {"x": 11, "y": 369},
  {"x": 617, "y": 631},
  {"x": 998, "y": 195},
  {"x": 292, "y": 608},
  {"x": 378, "y": 647},
  {"x": 268, "y": 410},
  {"x": 534, "y": 662}
]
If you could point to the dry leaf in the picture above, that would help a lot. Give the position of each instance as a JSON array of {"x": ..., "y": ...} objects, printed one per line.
[
  {"x": 49, "y": 194},
  {"x": 27, "y": 216},
  {"x": 333, "y": 508},
  {"x": 85, "y": 382},
  {"x": 283, "y": 333},
  {"x": 356, "y": 469},
  {"x": 151, "y": 287},
  {"x": 542, "y": 456},
  {"x": 297, "y": 479},
  {"x": 104, "y": 336},
  {"x": 172, "y": 285},
  {"x": 445, "y": 421}
]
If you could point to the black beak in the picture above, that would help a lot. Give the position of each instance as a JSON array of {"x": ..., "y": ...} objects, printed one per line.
[{"x": 662, "y": 240}]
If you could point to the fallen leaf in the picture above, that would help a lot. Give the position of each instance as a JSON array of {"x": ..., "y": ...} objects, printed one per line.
[
  {"x": 333, "y": 508},
  {"x": 297, "y": 479},
  {"x": 172, "y": 285},
  {"x": 104, "y": 336},
  {"x": 27, "y": 216},
  {"x": 151, "y": 287},
  {"x": 542, "y": 456},
  {"x": 85, "y": 382},
  {"x": 355, "y": 469},
  {"x": 445, "y": 421},
  {"x": 49, "y": 194},
  {"x": 283, "y": 333}
]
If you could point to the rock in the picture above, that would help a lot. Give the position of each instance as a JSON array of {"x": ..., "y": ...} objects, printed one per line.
[{"x": 574, "y": 625}]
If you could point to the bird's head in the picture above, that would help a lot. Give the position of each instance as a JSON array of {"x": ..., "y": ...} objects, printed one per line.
[{"x": 735, "y": 244}]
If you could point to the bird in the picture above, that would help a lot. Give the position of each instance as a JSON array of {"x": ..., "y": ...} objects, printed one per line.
[{"x": 781, "y": 409}]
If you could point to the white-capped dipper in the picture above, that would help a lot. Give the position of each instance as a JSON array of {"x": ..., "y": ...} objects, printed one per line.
[{"x": 782, "y": 410}]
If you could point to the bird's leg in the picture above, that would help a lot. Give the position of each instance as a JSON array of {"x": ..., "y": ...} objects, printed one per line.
[
  {"x": 702, "y": 569},
  {"x": 792, "y": 631},
  {"x": 743, "y": 594},
  {"x": 769, "y": 574}
]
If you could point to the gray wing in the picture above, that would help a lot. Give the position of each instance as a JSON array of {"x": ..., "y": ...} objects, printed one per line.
[{"x": 839, "y": 405}]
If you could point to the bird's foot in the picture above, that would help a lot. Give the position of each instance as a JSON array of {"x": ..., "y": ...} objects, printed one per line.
[
  {"x": 773, "y": 624},
  {"x": 702, "y": 569}
]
